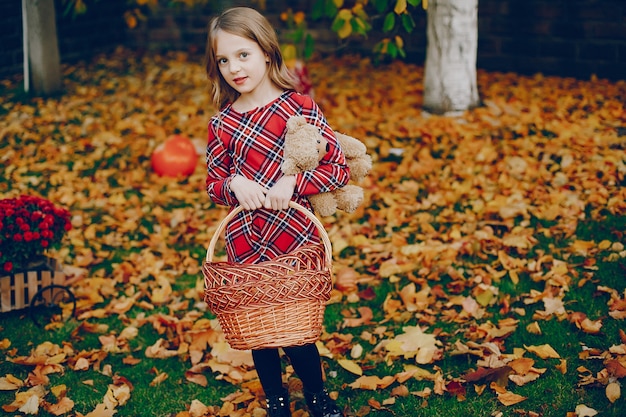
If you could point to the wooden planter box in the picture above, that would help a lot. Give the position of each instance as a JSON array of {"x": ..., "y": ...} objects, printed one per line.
[{"x": 19, "y": 288}]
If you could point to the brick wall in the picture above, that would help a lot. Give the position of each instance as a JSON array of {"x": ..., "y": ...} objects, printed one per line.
[
  {"x": 556, "y": 37},
  {"x": 564, "y": 37}
]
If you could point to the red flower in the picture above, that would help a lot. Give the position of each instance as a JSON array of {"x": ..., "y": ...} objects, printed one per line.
[{"x": 29, "y": 226}]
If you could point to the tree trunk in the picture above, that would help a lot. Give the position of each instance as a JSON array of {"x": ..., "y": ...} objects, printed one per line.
[
  {"x": 42, "y": 47},
  {"x": 452, "y": 44}
]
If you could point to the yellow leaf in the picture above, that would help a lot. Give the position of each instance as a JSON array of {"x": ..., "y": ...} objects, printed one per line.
[
  {"x": 533, "y": 328},
  {"x": 613, "y": 392},
  {"x": 344, "y": 14},
  {"x": 289, "y": 52},
  {"x": 509, "y": 398},
  {"x": 399, "y": 42},
  {"x": 345, "y": 30},
  {"x": 9, "y": 383},
  {"x": 350, "y": 366},
  {"x": 372, "y": 382},
  {"x": 414, "y": 343},
  {"x": 158, "y": 379},
  {"x": 400, "y": 7},
  {"x": 543, "y": 351}
]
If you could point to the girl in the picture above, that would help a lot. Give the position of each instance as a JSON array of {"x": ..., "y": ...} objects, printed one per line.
[{"x": 255, "y": 93}]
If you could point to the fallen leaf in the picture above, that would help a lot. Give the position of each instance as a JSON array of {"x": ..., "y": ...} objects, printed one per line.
[
  {"x": 350, "y": 366},
  {"x": 543, "y": 351},
  {"x": 10, "y": 382},
  {"x": 584, "y": 411},
  {"x": 613, "y": 392}
]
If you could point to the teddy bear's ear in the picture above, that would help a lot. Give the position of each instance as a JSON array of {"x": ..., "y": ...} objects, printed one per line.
[{"x": 294, "y": 122}]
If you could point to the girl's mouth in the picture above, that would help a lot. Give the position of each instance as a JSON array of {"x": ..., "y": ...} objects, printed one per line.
[{"x": 239, "y": 80}]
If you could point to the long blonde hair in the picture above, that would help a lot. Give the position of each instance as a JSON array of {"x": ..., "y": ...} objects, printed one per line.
[{"x": 248, "y": 23}]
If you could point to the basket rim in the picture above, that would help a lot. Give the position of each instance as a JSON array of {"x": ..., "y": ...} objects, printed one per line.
[{"x": 320, "y": 228}]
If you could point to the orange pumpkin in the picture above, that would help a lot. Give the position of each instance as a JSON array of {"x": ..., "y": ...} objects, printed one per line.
[{"x": 175, "y": 157}]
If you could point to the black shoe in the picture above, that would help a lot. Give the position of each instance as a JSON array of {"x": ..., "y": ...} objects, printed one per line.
[
  {"x": 278, "y": 405},
  {"x": 321, "y": 405}
]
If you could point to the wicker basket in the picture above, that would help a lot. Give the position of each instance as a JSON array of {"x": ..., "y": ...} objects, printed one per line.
[{"x": 270, "y": 304}]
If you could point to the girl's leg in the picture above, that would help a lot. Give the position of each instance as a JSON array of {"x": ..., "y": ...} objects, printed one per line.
[
  {"x": 267, "y": 364},
  {"x": 307, "y": 365}
]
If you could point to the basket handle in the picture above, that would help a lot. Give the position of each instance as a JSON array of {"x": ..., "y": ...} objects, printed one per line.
[{"x": 320, "y": 228}]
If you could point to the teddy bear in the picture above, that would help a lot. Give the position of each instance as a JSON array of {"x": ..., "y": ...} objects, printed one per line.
[{"x": 305, "y": 147}]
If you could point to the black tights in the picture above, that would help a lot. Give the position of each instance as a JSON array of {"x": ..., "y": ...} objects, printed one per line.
[{"x": 304, "y": 359}]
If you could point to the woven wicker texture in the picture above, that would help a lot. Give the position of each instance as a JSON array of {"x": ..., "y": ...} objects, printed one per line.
[{"x": 270, "y": 304}]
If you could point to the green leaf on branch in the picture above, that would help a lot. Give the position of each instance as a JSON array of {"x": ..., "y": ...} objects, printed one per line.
[
  {"x": 392, "y": 50},
  {"x": 360, "y": 26},
  {"x": 407, "y": 22},
  {"x": 380, "y": 5},
  {"x": 324, "y": 8},
  {"x": 390, "y": 22}
]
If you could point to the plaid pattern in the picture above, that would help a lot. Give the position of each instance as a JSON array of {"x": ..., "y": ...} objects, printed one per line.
[{"x": 251, "y": 144}]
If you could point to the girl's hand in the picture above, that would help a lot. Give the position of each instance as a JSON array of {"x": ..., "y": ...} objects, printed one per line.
[
  {"x": 278, "y": 197},
  {"x": 250, "y": 195}
]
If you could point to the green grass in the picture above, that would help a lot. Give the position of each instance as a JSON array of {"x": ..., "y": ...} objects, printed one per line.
[{"x": 550, "y": 395}]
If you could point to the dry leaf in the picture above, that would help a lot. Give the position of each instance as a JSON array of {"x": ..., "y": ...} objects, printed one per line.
[
  {"x": 9, "y": 383},
  {"x": 101, "y": 410},
  {"x": 350, "y": 366},
  {"x": 543, "y": 351},
  {"x": 508, "y": 398},
  {"x": 613, "y": 392},
  {"x": 414, "y": 343},
  {"x": 584, "y": 411},
  {"x": 64, "y": 406},
  {"x": 372, "y": 382}
]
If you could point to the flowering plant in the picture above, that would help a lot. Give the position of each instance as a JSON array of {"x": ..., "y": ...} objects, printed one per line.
[{"x": 29, "y": 226}]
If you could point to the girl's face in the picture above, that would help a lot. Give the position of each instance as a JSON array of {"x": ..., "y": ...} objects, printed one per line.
[{"x": 242, "y": 62}]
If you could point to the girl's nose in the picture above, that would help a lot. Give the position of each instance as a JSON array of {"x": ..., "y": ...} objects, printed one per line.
[{"x": 234, "y": 67}]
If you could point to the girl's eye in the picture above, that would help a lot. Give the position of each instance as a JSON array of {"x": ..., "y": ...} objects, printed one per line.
[
  {"x": 221, "y": 61},
  {"x": 244, "y": 55}
]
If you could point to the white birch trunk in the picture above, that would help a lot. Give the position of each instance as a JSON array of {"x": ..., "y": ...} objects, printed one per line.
[
  {"x": 450, "y": 83},
  {"x": 44, "y": 62}
]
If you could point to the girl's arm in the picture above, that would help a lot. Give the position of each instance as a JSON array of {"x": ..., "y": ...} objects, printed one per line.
[{"x": 219, "y": 175}]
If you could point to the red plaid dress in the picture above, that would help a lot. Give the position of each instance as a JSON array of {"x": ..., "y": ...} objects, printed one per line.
[{"x": 251, "y": 144}]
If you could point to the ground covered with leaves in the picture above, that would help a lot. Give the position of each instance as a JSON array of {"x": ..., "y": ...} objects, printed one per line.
[{"x": 483, "y": 276}]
